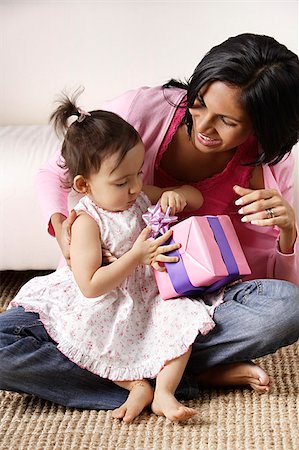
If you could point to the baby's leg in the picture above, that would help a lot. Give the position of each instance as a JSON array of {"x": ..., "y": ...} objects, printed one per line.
[
  {"x": 165, "y": 403},
  {"x": 140, "y": 396}
]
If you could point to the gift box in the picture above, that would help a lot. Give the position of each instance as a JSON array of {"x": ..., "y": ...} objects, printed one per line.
[{"x": 210, "y": 257}]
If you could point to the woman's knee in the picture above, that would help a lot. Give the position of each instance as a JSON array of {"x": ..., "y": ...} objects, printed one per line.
[
  {"x": 268, "y": 311},
  {"x": 283, "y": 295},
  {"x": 275, "y": 294},
  {"x": 282, "y": 316}
]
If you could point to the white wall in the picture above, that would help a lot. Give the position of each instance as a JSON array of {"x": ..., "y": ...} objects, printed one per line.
[{"x": 110, "y": 46}]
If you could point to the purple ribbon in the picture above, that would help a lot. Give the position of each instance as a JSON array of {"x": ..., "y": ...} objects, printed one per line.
[
  {"x": 179, "y": 276},
  {"x": 157, "y": 220}
]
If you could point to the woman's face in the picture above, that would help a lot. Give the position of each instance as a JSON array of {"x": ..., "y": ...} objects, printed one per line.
[{"x": 219, "y": 121}]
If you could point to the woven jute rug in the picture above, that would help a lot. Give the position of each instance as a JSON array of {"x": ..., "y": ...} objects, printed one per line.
[{"x": 232, "y": 419}]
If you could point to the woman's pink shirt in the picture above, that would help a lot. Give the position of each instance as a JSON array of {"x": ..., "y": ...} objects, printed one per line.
[{"x": 150, "y": 111}]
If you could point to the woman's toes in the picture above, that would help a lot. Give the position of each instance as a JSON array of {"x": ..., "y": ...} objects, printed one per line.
[
  {"x": 260, "y": 389},
  {"x": 119, "y": 413},
  {"x": 129, "y": 417}
]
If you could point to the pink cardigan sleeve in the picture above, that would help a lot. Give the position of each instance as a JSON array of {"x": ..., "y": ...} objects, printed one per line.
[
  {"x": 52, "y": 195},
  {"x": 283, "y": 266}
]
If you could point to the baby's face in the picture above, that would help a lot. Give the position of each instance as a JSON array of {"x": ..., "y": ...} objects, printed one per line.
[{"x": 116, "y": 187}]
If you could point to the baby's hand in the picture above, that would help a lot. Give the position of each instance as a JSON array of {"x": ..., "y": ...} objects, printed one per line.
[
  {"x": 175, "y": 199},
  {"x": 151, "y": 251}
]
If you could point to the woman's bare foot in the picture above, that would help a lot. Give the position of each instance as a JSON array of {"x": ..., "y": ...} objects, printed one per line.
[
  {"x": 140, "y": 396},
  {"x": 236, "y": 374},
  {"x": 165, "y": 404}
]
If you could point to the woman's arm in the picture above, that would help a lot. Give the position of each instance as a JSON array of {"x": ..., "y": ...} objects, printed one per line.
[
  {"x": 51, "y": 193},
  {"x": 94, "y": 279},
  {"x": 276, "y": 193},
  {"x": 284, "y": 264}
]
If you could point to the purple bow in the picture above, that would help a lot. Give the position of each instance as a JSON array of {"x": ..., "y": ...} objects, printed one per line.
[{"x": 157, "y": 220}]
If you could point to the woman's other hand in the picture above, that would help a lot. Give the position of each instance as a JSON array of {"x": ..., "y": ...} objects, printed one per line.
[
  {"x": 266, "y": 207},
  {"x": 107, "y": 257},
  {"x": 62, "y": 227}
]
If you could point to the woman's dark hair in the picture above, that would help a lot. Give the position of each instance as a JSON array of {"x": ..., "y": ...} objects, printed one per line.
[
  {"x": 90, "y": 138},
  {"x": 268, "y": 75}
]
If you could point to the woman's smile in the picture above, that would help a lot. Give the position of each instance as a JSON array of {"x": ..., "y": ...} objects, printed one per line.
[{"x": 207, "y": 140}]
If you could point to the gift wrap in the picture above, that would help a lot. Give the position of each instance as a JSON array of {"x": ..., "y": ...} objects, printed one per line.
[{"x": 210, "y": 257}]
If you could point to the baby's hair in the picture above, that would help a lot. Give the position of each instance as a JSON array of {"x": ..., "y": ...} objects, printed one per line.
[{"x": 90, "y": 138}]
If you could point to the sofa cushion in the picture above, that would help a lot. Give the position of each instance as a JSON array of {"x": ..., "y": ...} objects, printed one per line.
[{"x": 24, "y": 241}]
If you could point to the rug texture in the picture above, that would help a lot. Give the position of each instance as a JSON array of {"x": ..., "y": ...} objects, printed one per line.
[{"x": 231, "y": 419}]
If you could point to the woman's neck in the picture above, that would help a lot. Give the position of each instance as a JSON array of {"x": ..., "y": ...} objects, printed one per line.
[{"x": 184, "y": 162}]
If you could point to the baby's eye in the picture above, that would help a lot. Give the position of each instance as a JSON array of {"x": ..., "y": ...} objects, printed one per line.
[{"x": 121, "y": 184}]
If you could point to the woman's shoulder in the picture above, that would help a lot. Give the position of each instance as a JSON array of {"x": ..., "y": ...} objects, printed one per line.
[
  {"x": 282, "y": 168},
  {"x": 141, "y": 102},
  {"x": 280, "y": 175}
]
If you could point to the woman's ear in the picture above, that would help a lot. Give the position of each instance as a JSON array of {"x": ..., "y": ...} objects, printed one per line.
[{"x": 80, "y": 184}]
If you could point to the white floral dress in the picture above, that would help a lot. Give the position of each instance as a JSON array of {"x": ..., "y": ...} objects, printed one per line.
[{"x": 128, "y": 333}]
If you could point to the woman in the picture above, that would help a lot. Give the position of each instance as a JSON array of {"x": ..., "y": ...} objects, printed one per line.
[{"x": 228, "y": 131}]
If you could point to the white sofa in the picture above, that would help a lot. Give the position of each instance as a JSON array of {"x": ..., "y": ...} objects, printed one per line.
[{"x": 24, "y": 241}]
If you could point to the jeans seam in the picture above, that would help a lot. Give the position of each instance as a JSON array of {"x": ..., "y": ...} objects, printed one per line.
[
  {"x": 259, "y": 286},
  {"x": 20, "y": 328},
  {"x": 224, "y": 304}
]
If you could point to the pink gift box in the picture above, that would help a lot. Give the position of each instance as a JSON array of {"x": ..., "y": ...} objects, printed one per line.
[{"x": 210, "y": 257}]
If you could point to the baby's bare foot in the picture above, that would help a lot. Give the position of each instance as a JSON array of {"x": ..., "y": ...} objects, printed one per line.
[
  {"x": 140, "y": 396},
  {"x": 237, "y": 374},
  {"x": 165, "y": 404}
]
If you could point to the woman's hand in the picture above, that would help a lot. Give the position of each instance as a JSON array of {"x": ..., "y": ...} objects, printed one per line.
[
  {"x": 151, "y": 251},
  {"x": 266, "y": 207},
  {"x": 175, "y": 199},
  {"x": 107, "y": 257},
  {"x": 62, "y": 228}
]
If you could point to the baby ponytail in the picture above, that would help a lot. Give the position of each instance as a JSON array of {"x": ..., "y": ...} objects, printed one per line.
[
  {"x": 67, "y": 108},
  {"x": 90, "y": 137}
]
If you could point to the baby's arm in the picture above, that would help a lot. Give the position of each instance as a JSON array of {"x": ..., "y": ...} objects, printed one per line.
[
  {"x": 177, "y": 197},
  {"x": 94, "y": 279}
]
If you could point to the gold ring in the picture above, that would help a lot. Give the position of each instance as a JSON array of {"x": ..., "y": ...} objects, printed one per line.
[{"x": 270, "y": 213}]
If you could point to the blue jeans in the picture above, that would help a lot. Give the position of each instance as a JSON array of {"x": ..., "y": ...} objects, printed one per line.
[{"x": 255, "y": 319}]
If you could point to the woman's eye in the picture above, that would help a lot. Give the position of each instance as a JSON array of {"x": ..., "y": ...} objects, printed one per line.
[
  {"x": 200, "y": 101},
  {"x": 227, "y": 122}
]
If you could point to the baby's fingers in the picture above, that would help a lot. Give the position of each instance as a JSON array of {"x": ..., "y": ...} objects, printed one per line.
[
  {"x": 164, "y": 258},
  {"x": 158, "y": 266},
  {"x": 145, "y": 234},
  {"x": 168, "y": 248},
  {"x": 161, "y": 239}
]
